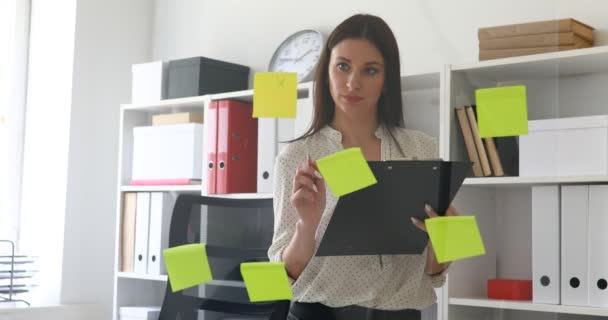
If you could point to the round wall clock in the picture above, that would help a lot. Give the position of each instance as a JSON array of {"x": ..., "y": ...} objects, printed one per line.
[{"x": 299, "y": 53}]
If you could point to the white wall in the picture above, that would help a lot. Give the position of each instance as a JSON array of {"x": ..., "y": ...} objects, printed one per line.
[
  {"x": 430, "y": 33},
  {"x": 110, "y": 36}
]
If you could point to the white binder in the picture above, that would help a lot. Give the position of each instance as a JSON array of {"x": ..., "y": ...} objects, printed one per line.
[
  {"x": 267, "y": 151},
  {"x": 598, "y": 238},
  {"x": 304, "y": 117},
  {"x": 272, "y": 135},
  {"x": 161, "y": 209},
  {"x": 142, "y": 220},
  {"x": 575, "y": 219},
  {"x": 545, "y": 245}
]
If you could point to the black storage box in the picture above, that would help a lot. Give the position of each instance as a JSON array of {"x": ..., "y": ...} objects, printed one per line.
[{"x": 199, "y": 76}]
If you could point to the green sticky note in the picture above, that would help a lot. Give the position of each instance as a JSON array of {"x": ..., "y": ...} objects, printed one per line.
[
  {"x": 502, "y": 111},
  {"x": 187, "y": 266},
  {"x": 266, "y": 281},
  {"x": 455, "y": 238},
  {"x": 275, "y": 94},
  {"x": 346, "y": 171}
]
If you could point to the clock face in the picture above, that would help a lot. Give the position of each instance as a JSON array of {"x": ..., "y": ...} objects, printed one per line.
[{"x": 298, "y": 53}]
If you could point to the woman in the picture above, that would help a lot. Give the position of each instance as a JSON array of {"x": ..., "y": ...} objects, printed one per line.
[{"x": 357, "y": 103}]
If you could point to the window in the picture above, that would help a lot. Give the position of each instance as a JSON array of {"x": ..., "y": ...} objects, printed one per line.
[{"x": 14, "y": 29}]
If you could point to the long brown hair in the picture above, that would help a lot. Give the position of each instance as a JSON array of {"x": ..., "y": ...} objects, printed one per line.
[{"x": 376, "y": 31}]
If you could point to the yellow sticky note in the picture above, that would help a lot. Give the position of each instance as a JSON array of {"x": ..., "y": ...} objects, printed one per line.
[
  {"x": 346, "y": 171},
  {"x": 266, "y": 281},
  {"x": 187, "y": 266},
  {"x": 502, "y": 111},
  {"x": 275, "y": 94},
  {"x": 455, "y": 238}
]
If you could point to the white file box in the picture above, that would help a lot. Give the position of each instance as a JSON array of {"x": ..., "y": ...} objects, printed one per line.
[
  {"x": 139, "y": 313},
  {"x": 167, "y": 153},
  {"x": 564, "y": 147},
  {"x": 149, "y": 82}
]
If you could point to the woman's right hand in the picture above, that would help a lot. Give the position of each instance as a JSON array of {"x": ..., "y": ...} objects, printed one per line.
[{"x": 308, "y": 194}]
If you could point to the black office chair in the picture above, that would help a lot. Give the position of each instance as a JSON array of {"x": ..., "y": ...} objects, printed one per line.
[{"x": 226, "y": 226}]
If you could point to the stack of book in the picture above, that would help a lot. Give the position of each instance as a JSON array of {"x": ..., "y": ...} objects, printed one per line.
[
  {"x": 490, "y": 156},
  {"x": 533, "y": 38}
]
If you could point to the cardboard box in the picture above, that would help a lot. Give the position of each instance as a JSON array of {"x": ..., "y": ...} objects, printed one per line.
[
  {"x": 177, "y": 118},
  {"x": 537, "y": 27}
]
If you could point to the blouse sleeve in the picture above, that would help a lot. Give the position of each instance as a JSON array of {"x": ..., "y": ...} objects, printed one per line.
[{"x": 285, "y": 215}]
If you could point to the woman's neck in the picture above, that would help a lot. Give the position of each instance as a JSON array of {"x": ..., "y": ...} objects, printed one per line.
[{"x": 355, "y": 130}]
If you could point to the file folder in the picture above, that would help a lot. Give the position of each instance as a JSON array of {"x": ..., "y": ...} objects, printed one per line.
[
  {"x": 598, "y": 238},
  {"x": 377, "y": 219},
  {"x": 546, "y": 244},
  {"x": 142, "y": 221},
  {"x": 211, "y": 145},
  {"x": 575, "y": 219},
  {"x": 267, "y": 152},
  {"x": 127, "y": 228},
  {"x": 273, "y": 135},
  {"x": 237, "y": 146},
  {"x": 161, "y": 208}
]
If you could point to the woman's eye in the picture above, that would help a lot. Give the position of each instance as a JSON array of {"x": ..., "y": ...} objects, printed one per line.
[
  {"x": 343, "y": 66},
  {"x": 371, "y": 71}
]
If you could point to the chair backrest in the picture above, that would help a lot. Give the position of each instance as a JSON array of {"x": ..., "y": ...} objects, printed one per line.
[{"x": 234, "y": 231}]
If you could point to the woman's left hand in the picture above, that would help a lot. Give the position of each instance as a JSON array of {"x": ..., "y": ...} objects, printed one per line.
[{"x": 432, "y": 214}]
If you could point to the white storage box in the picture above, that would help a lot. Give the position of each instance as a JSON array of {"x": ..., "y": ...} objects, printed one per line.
[
  {"x": 149, "y": 82},
  {"x": 565, "y": 146},
  {"x": 139, "y": 313},
  {"x": 166, "y": 155}
]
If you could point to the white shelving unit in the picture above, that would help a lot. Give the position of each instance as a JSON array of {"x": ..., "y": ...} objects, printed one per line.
[
  {"x": 560, "y": 84},
  {"x": 132, "y": 289}
]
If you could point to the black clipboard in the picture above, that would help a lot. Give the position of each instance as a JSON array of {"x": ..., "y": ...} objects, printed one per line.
[{"x": 377, "y": 219}]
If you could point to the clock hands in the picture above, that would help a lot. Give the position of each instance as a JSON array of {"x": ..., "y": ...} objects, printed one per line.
[{"x": 304, "y": 54}]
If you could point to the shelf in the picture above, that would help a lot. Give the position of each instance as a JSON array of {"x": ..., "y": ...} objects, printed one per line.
[
  {"x": 197, "y": 103},
  {"x": 304, "y": 89},
  {"x": 181, "y": 104},
  {"x": 538, "y": 66},
  {"x": 532, "y": 181},
  {"x": 527, "y": 306},
  {"x": 132, "y": 275},
  {"x": 196, "y": 188},
  {"x": 242, "y": 195},
  {"x": 163, "y": 278}
]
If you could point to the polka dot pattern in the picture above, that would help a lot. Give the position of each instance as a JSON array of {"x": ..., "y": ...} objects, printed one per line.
[{"x": 389, "y": 282}]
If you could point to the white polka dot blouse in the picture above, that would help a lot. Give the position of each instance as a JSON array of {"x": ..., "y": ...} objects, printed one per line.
[{"x": 391, "y": 282}]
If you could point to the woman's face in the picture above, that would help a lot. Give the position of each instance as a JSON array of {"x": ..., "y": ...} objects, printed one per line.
[{"x": 356, "y": 75}]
